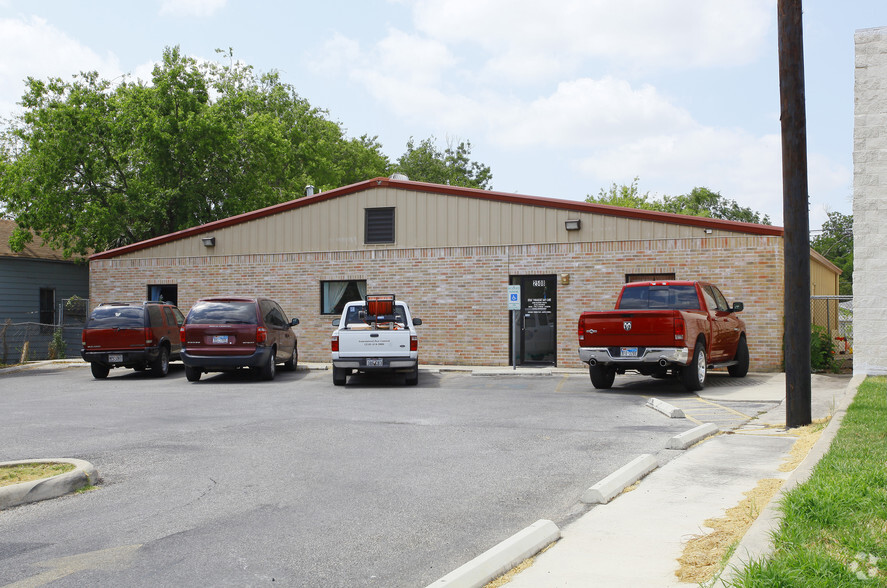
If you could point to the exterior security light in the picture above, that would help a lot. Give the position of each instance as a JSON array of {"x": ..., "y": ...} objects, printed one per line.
[
  {"x": 572, "y": 225},
  {"x": 707, "y": 231},
  {"x": 209, "y": 241}
]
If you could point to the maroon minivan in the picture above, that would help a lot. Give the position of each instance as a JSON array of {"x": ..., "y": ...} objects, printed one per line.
[{"x": 228, "y": 333}]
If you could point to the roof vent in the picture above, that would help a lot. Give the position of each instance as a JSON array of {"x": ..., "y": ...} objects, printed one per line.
[
  {"x": 309, "y": 190},
  {"x": 399, "y": 176}
]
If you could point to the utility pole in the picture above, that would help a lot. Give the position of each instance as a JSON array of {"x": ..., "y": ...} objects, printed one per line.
[{"x": 795, "y": 214}]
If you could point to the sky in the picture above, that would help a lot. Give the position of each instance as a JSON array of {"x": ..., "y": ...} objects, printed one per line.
[{"x": 561, "y": 98}]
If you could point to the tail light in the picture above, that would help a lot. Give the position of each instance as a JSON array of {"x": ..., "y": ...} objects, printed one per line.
[
  {"x": 261, "y": 335},
  {"x": 149, "y": 336},
  {"x": 334, "y": 344},
  {"x": 581, "y": 333},
  {"x": 679, "y": 329},
  {"x": 414, "y": 343},
  {"x": 182, "y": 335}
]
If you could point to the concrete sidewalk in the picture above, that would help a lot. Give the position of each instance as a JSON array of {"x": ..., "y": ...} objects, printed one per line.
[{"x": 636, "y": 539}]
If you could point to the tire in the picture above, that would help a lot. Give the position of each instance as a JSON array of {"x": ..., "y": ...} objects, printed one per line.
[
  {"x": 602, "y": 377},
  {"x": 269, "y": 369},
  {"x": 99, "y": 371},
  {"x": 693, "y": 375},
  {"x": 160, "y": 366},
  {"x": 193, "y": 373},
  {"x": 413, "y": 377},
  {"x": 740, "y": 368},
  {"x": 293, "y": 362},
  {"x": 339, "y": 376}
]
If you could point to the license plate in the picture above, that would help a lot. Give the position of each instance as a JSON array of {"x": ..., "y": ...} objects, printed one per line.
[
  {"x": 374, "y": 362},
  {"x": 115, "y": 358},
  {"x": 629, "y": 352},
  {"x": 220, "y": 339}
]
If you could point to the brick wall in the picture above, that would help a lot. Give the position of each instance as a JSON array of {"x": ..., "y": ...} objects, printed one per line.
[
  {"x": 870, "y": 203},
  {"x": 460, "y": 293}
]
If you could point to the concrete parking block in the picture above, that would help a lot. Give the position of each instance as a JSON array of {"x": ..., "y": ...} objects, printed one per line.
[
  {"x": 672, "y": 412},
  {"x": 501, "y": 558},
  {"x": 691, "y": 437},
  {"x": 611, "y": 486}
]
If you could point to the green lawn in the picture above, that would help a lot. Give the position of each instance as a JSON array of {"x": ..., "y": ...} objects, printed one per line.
[{"x": 834, "y": 527}]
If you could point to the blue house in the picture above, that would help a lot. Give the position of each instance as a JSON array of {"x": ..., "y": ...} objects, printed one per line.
[{"x": 40, "y": 291}]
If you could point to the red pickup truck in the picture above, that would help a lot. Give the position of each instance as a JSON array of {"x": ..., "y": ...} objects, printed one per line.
[{"x": 658, "y": 329}]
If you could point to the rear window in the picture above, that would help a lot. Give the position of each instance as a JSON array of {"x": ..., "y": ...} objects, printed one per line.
[
  {"x": 659, "y": 297},
  {"x": 117, "y": 317},
  {"x": 354, "y": 317},
  {"x": 222, "y": 313}
]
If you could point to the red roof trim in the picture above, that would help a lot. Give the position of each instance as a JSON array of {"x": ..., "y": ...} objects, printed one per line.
[{"x": 571, "y": 205}]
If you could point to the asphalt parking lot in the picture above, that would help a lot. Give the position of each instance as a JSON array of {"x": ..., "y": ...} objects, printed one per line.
[{"x": 230, "y": 481}]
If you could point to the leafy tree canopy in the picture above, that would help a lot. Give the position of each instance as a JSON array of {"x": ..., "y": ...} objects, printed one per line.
[
  {"x": 425, "y": 162},
  {"x": 91, "y": 165},
  {"x": 699, "y": 202},
  {"x": 835, "y": 243}
]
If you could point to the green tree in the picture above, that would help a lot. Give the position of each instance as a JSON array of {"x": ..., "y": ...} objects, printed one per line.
[
  {"x": 699, "y": 202},
  {"x": 90, "y": 165},
  {"x": 426, "y": 163},
  {"x": 835, "y": 243}
]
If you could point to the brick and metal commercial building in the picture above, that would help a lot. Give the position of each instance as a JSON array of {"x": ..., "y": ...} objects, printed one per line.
[{"x": 452, "y": 253}]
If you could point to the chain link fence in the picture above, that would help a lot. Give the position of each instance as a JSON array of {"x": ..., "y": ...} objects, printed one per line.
[
  {"x": 835, "y": 315},
  {"x": 27, "y": 340}
]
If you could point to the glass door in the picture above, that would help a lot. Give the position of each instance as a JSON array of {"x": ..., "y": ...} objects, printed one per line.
[{"x": 537, "y": 336}]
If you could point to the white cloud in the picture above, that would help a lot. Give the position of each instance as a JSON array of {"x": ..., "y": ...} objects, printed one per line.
[
  {"x": 586, "y": 113},
  {"x": 198, "y": 8},
  {"x": 32, "y": 47},
  {"x": 636, "y": 34}
]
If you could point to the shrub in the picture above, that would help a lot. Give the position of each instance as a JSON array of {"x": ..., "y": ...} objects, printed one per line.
[
  {"x": 822, "y": 351},
  {"x": 57, "y": 345}
]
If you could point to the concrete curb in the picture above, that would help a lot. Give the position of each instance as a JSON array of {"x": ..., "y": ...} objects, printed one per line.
[
  {"x": 691, "y": 437},
  {"x": 83, "y": 474},
  {"x": 613, "y": 485},
  {"x": 757, "y": 543},
  {"x": 672, "y": 412},
  {"x": 503, "y": 557}
]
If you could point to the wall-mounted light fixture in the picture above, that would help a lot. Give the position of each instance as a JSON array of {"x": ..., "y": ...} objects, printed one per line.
[
  {"x": 707, "y": 231},
  {"x": 572, "y": 225},
  {"x": 209, "y": 241},
  {"x": 565, "y": 279}
]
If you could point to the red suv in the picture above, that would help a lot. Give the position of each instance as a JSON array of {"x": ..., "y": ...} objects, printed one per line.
[
  {"x": 227, "y": 333},
  {"x": 137, "y": 336}
]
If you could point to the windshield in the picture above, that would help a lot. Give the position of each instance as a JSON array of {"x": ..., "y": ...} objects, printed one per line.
[
  {"x": 117, "y": 317},
  {"x": 222, "y": 313},
  {"x": 659, "y": 297}
]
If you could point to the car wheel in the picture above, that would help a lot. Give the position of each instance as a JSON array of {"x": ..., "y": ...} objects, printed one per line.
[
  {"x": 193, "y": 373},
  {"x": 269, "y": 368},
  {"x": 339, "y": 376},
  {"x": 99, "y": 371},
  {"x": 740, "y": 368},
  {"x": 293, "y": 362},
  {"x": 602, "y": 377},
  {"x": 160, "y": 366},
  {"x": 693, "y": 375},
  {"x": 413, "y": 377}
]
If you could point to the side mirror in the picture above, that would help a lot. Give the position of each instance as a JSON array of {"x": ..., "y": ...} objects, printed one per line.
[
  {"x": 417, "y": 322},
  {"x": 738, "y": 306},
  {"x": 336, "y": 322},
  {"x": 294, "y": 322}
]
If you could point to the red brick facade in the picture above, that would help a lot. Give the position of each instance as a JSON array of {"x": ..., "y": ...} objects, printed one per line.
[{"x": 460, "y": 292}]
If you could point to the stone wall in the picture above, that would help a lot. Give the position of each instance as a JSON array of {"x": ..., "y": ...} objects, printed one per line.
[
  {"x": 460, "y": 292},
  {"x": 870, "y": 203}
]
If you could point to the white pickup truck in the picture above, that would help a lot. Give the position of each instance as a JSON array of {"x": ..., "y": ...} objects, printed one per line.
[{"x": 376, "y": 335}]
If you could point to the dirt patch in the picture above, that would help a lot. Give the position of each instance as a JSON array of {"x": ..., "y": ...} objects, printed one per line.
[{"x": 704, "y": 556}]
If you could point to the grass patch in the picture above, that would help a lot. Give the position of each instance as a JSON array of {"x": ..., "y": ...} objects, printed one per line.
[
  {"x": 26, "y": 472},
  {"x": 834, "y": 526}
]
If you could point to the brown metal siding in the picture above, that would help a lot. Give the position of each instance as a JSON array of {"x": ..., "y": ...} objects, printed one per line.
[{"x": 422, "y": 220}]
